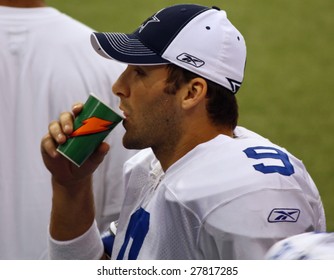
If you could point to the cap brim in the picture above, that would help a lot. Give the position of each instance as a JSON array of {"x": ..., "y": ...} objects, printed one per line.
[{"x": 124, "y": 48}]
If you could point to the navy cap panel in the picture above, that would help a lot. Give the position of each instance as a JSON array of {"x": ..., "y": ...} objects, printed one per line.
[
  {"x": 160, "y": 29},
  {"x": 127, "y": 48}
]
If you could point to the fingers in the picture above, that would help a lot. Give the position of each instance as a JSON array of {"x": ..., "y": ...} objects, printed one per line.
[
  {"x": 65, "y": 124},
  {"x": 48, "y": 146},
  {"x": 59, "y": 130},
  {"x": 77, "y": 108},
  {"x": 97, "y": 157}
]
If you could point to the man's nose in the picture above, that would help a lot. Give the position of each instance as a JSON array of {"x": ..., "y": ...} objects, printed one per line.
[{"x": 120, "y": 87}]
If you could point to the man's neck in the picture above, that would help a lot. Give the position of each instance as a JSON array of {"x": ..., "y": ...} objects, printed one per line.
[
  {"x": 23, "y": 3},
  {"x": 168, "y": 155}
]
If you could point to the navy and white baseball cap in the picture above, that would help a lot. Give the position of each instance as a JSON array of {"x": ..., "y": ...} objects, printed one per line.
[{"x": 197, "y": 38}]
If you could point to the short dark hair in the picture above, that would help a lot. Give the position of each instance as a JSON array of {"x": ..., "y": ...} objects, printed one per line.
[{"x": 222, "y": 104}]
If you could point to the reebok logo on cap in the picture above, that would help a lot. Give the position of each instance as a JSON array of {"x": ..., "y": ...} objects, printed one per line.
[{"x": 187, "y": 58}]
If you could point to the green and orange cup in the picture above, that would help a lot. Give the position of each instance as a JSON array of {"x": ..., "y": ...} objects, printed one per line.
[{"x": 91, "y": 127}]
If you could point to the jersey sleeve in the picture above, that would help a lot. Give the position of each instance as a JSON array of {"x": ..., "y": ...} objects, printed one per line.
[{"x": 246, "y": 227}]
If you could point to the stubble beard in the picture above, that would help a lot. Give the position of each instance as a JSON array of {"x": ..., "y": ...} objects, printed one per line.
[{"x": 156, "y": 135}]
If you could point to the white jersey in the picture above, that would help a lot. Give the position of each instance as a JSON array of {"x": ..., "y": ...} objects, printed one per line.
[
  {"x": 305, "y": 246},
  {"x": 46, "y": 64},
  {"x": 229, "y": 198}
]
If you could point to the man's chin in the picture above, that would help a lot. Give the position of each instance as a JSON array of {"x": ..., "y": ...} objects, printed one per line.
[{"x": 132, "y": 144}]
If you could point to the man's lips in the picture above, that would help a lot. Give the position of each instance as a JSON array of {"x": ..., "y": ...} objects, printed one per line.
[{"x": 125, "y": 114}]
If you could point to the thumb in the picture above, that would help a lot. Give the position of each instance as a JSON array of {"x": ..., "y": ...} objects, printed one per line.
[{"x": 97, "y": 157}]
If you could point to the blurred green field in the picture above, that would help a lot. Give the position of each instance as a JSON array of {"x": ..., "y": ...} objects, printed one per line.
[{"x": 287, "y": 94}]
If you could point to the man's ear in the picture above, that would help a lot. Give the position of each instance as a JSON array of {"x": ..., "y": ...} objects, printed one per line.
[{"x": 195, "y": 92}]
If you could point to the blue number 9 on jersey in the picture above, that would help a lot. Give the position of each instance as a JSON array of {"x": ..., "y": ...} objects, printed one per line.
[{"x": 261, "y": 152}]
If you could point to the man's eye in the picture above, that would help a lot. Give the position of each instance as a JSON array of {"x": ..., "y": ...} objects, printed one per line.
[{"x": 139, "y": 72}]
